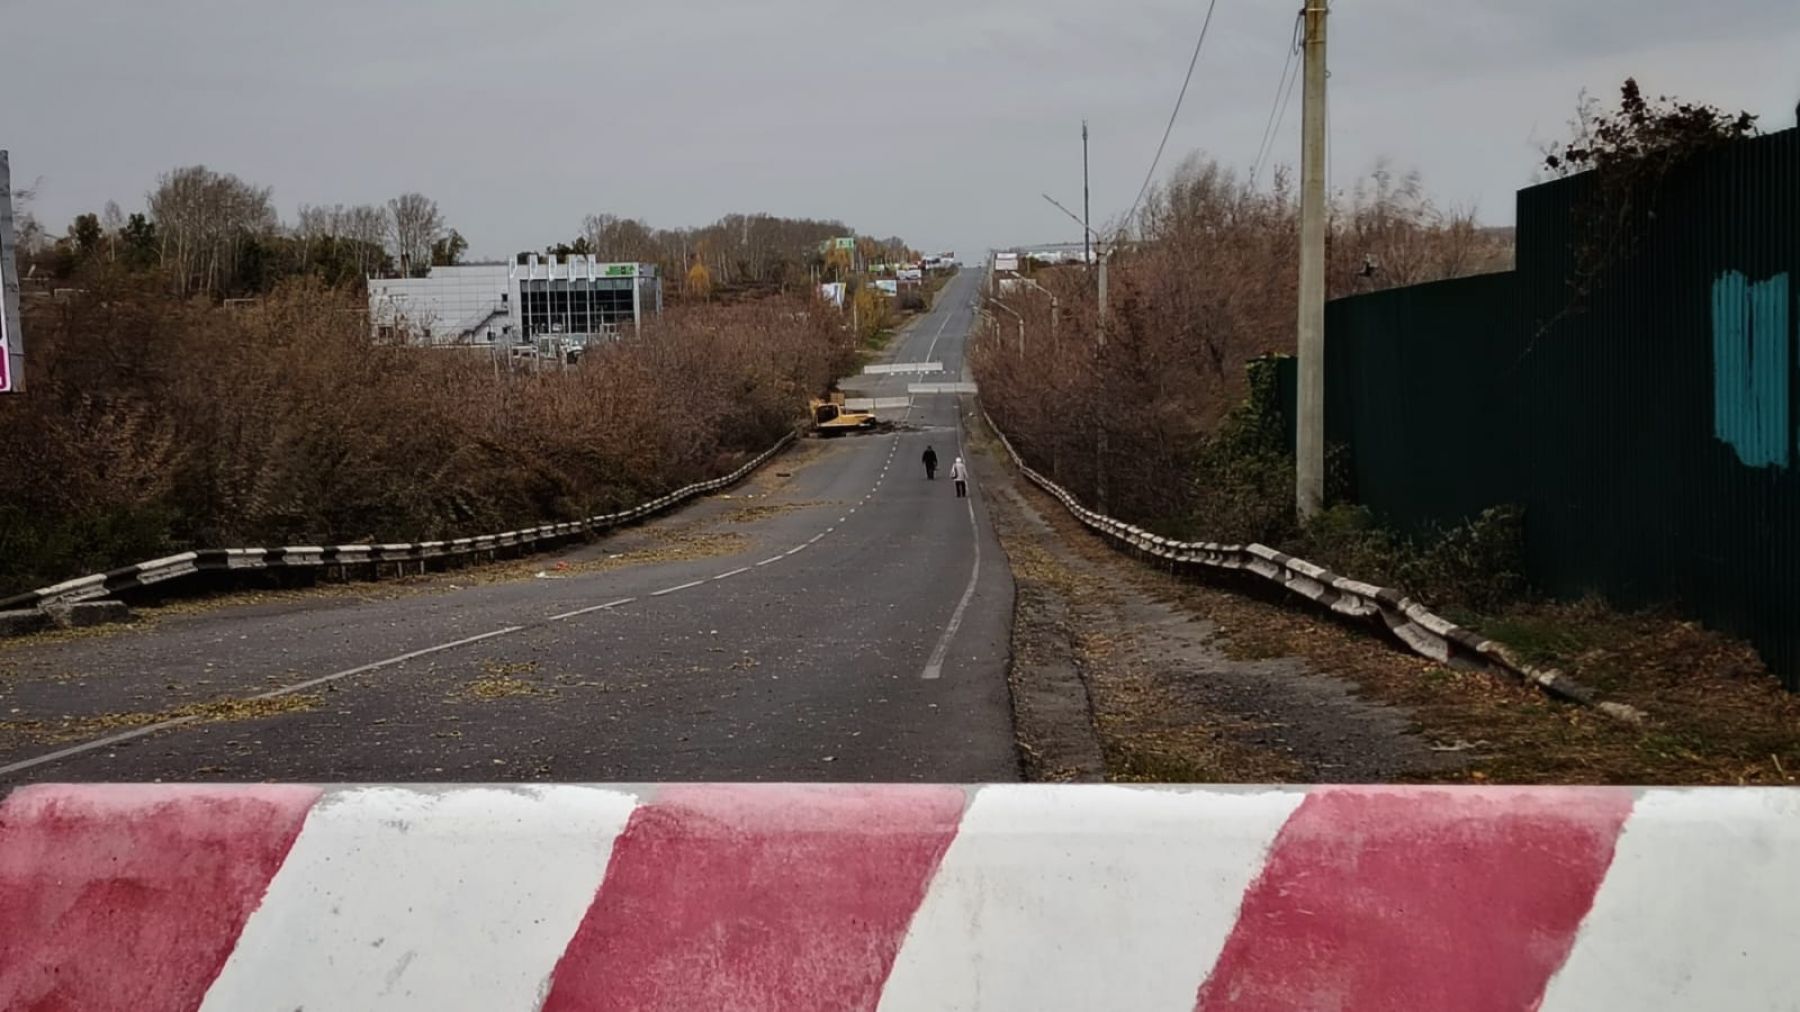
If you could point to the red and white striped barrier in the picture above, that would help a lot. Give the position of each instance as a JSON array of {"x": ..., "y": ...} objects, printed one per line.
[{"x": 897, "y": 897}]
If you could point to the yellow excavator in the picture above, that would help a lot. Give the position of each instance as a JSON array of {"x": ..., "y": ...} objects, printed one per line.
[{"x": 831, "y": 418}]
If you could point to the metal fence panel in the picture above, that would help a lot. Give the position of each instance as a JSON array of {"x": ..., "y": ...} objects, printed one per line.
[{"x": 1649, "y": 428}]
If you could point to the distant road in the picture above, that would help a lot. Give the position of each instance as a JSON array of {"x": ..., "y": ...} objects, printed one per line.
[{"x": 828, "y": 620}]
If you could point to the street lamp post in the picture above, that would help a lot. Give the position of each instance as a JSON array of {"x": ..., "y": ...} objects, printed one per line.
[
  {"x": 1008, "y": 310},
  {"x": 1055, "y": 305}
]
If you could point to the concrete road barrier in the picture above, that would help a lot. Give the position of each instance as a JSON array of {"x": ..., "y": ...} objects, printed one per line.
[
  {"x": 84, "y": 614},
  {"x": 897, "y": 897}
]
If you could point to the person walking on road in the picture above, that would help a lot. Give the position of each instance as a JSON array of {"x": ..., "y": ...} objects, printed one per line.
[
  {"x": 959, "y": 473},
  {"x": 930, "y": 459}
]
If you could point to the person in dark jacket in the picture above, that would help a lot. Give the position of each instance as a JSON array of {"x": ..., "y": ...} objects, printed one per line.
[{"x": 930, "y": 459}]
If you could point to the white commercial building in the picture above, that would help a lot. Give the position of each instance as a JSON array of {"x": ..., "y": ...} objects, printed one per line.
[{"x": 574, "y": 300}]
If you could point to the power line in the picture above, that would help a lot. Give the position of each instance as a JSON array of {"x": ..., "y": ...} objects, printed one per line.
[
  {"x": 1204, "y": 25},
  {"x": 1287, "y": 102},
  {"x": 1284, "y": 90}
]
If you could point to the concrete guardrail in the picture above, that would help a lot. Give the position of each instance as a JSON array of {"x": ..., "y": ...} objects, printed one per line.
[
  {"x": 557, "y": 897},
  {"x": 186, "y": 564},
  {"x": 1409, "y": 621}
]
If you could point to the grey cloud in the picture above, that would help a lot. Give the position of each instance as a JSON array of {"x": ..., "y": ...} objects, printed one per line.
[{"x": 939, "y": 122}]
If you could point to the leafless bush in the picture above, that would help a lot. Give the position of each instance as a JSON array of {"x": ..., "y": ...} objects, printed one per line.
[
  {"x": 1203, "y": 282},
  {"x": 154, "y": 423}
]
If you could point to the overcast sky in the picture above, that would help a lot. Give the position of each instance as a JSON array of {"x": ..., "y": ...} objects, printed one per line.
[{"x": 939, "y": 122}]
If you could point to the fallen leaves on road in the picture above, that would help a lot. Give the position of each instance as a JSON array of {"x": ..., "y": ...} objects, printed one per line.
[
  {"x": 215, "y": 711},
  {"x": 500, "y": 680}
]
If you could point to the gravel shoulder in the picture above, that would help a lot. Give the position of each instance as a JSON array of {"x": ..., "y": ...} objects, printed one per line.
[
  {"x": 1126, "y": 672},
  {"x": 1117, "y": 675}
]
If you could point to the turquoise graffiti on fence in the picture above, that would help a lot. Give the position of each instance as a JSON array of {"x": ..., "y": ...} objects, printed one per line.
[{"x": 1750, "y": 367}]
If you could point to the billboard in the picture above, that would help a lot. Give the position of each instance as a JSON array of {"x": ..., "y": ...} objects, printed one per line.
[{"x": 12, "y": 343}]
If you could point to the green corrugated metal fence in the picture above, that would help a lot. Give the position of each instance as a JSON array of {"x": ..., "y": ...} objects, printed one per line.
[{"x": 1649, "y": 429}]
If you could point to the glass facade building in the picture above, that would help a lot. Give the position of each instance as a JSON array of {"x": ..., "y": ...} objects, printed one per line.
[{"x": 572, "y": 300}]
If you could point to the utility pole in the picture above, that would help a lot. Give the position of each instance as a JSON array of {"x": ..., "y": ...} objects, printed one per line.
[
  {"x": 1100, "y": 451},
  {"x": 1087, "y": 250},
  {"x": 1309, "y": 437},
  {"x": 12, "y": 342}
]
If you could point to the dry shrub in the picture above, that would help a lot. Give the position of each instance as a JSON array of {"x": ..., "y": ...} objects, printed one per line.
[
  {"x": 153, "y": 424},
  {"x": 1205, "y": 284}
]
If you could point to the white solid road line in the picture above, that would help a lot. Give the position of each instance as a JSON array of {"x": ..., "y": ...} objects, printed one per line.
[
  {"x": 934, "y": 668},
  {"x": 679, "y": 586}
]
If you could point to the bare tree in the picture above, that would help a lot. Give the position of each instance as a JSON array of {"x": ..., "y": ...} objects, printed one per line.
[
  {"x": 367, "y": 226},
  {"x": 415, "y": 224},
  {"x": 621, "y": 239},
  {"x": 112, "y": 222},
  {"x": 29, "y": 236},
  {"x": 204, "y": 219}
]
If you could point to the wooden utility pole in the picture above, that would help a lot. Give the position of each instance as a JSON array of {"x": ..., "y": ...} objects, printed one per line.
[{"x": 1309, "y": 398}]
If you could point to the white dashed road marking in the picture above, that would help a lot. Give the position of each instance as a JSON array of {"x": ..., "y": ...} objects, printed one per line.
[{"x": 593, "y": 608}]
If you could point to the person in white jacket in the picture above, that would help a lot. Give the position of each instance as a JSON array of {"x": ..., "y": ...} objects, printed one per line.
[{"x": 959, "y": 473}]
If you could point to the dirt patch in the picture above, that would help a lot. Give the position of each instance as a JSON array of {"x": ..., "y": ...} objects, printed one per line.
[
  {"x": 683, "y": 544},
  {"x": 215, "y": 711},
  {"x": 751, "y": 512}
]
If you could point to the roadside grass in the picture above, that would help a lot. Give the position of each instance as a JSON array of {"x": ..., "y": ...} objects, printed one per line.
[{"x": 1715, "y": 715}]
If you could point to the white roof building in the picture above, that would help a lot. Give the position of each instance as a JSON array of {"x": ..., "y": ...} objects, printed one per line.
[{"x": 576, "y": 299}]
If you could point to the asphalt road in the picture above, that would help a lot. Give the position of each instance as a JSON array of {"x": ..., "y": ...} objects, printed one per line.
[{"x": 836, "y": 618}]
